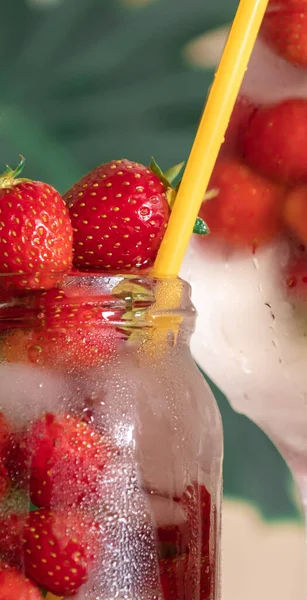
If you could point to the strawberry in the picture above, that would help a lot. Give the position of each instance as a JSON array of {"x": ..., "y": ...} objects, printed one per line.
[
  {"x": 11, "y": 533},
  {"x": 4, "y": 481},
  {"x": 284, "y": 28},
  {"x": 67, "y": 459},
  {"x": 247, "y": 210},
  {"x": 185, "y": 578},
  {"x": 59, "y": 550},
  {"x": 239, "y": 119},
  {"x": 119, "y": 213},
  {"x": 14, "y": 586},
  {"x": 295, "y": 212},
  {"x": 172, "y": 540},
  {"x": 173, "y": 578},
  {"x": 35, "y": 232},
  {"x": 275, "y": 140},
  {"x": 4, "y": 432},
  {"x": 72, "y": 330},
  {"x": 197, "y": 502},
  {"x": 4, "y": 439}
]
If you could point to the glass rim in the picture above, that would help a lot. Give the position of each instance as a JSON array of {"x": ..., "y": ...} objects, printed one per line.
[{"x": 144, "y": 300}]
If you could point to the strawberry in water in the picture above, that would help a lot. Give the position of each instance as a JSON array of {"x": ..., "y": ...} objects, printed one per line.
[
  {"x": 4, "y": 441},
  {"x": 275, "y": 141},
  {"x": 173, "y": 578},
  {"x": 172, "y": 540},
  {"x": 59, "y": 550},
  {"x": 67, "y": 460},
  {"x": 284, "y": 29},
  {"x": 11, "y": 534},
  {"x": 72, "y": 331},
  {"x": 247, "y": 209},
  {"x": 14, "y": 586},
  {"x": 119, "y": 213},
  {"x": 35, "y": 233}
]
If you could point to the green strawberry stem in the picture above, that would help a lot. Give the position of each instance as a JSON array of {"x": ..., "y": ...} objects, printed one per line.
[
  {"x": 168, "y": 178},
  {"x": 200, "y": 227},
  {"x": 10, "y": 176}
]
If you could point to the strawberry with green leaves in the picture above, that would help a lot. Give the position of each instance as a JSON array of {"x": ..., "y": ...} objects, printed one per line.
[
  {"x": 35, "y": 233},
  {"x": 119, "y": 213},
  {"x": 60, "y": 549}
]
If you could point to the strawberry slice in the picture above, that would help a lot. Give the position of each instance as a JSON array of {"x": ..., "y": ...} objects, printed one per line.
[
  {"x": 68, "y": 457},
  {"x": 275, "y": 141},
  {"x": 60, "y": 549},
  {"x": 247, "y": 210},
  {"x": 35, "y": 233},
  {"x": 71, "y": 331},
  {"x": 14, "y": 586},
  {"x": 119, "y": 213},
  {"x": 284, "y": 28}
]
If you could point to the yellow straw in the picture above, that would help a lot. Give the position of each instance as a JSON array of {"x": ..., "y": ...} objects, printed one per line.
[{"x": 210, "y": 136}]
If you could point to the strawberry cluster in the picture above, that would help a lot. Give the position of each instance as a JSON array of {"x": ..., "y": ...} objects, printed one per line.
[
  {"x": 261, "y": 174},
  {"x": 60, "y": 461},
  {"x": 114, "y": 219}
]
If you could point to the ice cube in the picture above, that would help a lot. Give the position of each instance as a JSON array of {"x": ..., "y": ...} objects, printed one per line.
[
  {"x": 28, "y": 391},
  {"x": 158, "y": 410}
]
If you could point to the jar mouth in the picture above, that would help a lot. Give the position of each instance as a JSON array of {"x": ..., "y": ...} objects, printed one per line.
[{"x": 137, "y": 301}]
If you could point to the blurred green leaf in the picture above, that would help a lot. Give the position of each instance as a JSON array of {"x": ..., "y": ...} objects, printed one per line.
[{"x": 85, "y": 81}]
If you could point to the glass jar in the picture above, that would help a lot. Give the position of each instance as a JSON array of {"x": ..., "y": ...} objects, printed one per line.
[{"x": 111, "y": 452}]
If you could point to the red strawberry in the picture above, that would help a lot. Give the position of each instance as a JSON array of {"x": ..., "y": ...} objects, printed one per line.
[
  {"x": 247, "y": 210},
  {"x": 295, "y": 212},
  {"x": 4, "y": 439},
  {"x": 4, "y": 481},
  {"x": 237, "y": 125},
  {"x": 119, "y": 213},
  {"x": 4, "y": 432},
  {"x": 59, "y": 550},
  {"x": 172, "y": 578},
  {"x": 67, "y": 459},
  {"x": 284, "y": 28},
  {"x": 14, "y": 586},
  {"x": 172, "y": 540},
  {"x": 185, "y": 578},
  {"x": 72, "y": 331},
  {"x": 197, "y": 503},
  {"x": 11, "y": 533},
  {"x": 275, "y": 140},
  {"x": 35, "y": 232}
]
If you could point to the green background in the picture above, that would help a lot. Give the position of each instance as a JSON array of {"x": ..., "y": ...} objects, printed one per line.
[{"x": 87, "y": 81}]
